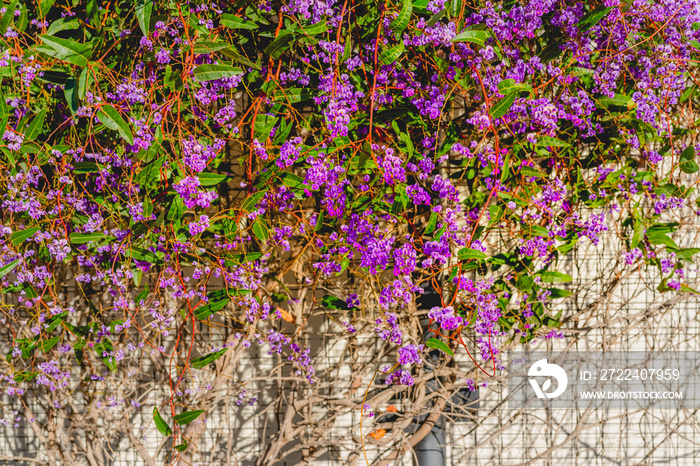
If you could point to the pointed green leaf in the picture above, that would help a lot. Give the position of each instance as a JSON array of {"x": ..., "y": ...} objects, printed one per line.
[
  {"x": 21, "y": 236},
  {"x": 332, "y": 302},
  {"x": 213, "y": 72},
  {"x": 45, "y": 7},
  {"x": 688, "y": 153},
  {"x": 553, "y": 142},
  {"x": 316, "y": 28},
  {"x": 279, "y": 45},
  {"x": 260, "y": 230},
  {"x": 201, "y": 362},
  {"x": 161, "y": 425},
  {"x": 467, "y": 253},
  {"x": 232, "y": 54},
  {"x": 439, "y": 345},
  {"x": 68, "y": 50},
  {"x": 111, "y": 118},
  {"x": 70, "y": 90},
  {"x": 82, "y": 238},
  {"x": 211, "y": 308},
  {"x": 509, "y": 86},
  {"x": 187, "y": 417},
  {"x": 592, "y": 18},
  {"x": 63, "y": 24},
  {"x": 182, "y": 447},
  {"x": 555, "y": 277},
  {"x": 234, "y": 22},
  {"x": 7, "y": 268},
  {"x": 7, "y": 17},
  {"x": 475, "y": 37},
  {"x": 143, "y": 14},
  {"x": 503, "y": 105},
  {"x": 36, "y": 127},
  {"x": 211, "y": 179},
  {"x": 529, "y": 171},
  {"x": 85, "y": 81},
  {"x": 390, "y": 56},
  {"x": 252, "y": 201},
  {"x": 401, "y": 21}
]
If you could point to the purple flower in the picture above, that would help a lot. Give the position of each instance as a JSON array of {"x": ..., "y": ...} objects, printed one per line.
[{"x": 410, "y": 354}]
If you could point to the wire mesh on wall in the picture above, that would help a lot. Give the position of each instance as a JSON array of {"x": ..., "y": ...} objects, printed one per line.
[{"x": 266, "y": 414}]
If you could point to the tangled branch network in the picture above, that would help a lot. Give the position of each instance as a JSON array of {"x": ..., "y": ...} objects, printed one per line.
[{"x": 185, "y": 183}]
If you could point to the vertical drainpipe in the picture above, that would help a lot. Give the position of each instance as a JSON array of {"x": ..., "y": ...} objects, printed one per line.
[{"x": 430, "y": 450}]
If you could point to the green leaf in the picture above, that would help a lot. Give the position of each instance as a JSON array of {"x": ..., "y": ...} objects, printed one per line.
[
  {"x": 232, "y": 54},
  {"x": 529, "y": 171},
  {"x": 432, "y": 221},
  {"x": 71, "y": 92},
  {"x": 211, "y": 179},
  {"x": 7, "y": 268},
  {"x": 553, "y": 142},
  {"x": 503, "y": 105},
  {"x": 85, "y": 81},
  {"x": 279, "y": 45},
  {"x": 439, "y": 345},
  {"x": 45, "y": 7},
  {"x": 331, "y": 302},
  {"x": 63, "y": 24},
  {"x": 252, "y": 201},
  {"x": 82, "y": 238},
  {"x": 6, "y": 19},
  {"x": 201, "y": 362},
  {"x": 688, "y": 153},
  {"x": 111, "y": 118},
  {"x": 524, "y": 282},
  {"x": 508, "y": 86},
  {"x": 68, "y": 50},
  {"x": 686, "y": 253},
  {"x": 292, "y": 96},
  {"x": 506, "y": 169},
  {"x": 661, "y": 238},
  {"x": 260, "y": 230},
  {"x": 390, "y": 56},
  {"x": 292, "y": 181},
  {"x": 161, "y": 425},
  {"x": 182, "y": 447},
  {"x": 143, "y": 14},
  {"x": 436, "y": 17},
  {"x": 475, "y": 37},
  {"x": 187, "y": 417},
  {"x": 558, "y": 293},
  {"x": 211, "y": 308},
  {"x": 592, "y": 18},
  {"x": 467, "y": 253},
  {"x": 172, "y": 80},
  {"x": 46, "y": 345},
  {"x": 234, "y": 22},
  {"x": 401, "y": 21},
  {"x": 689, "y": 166},
  {"x": 555, "y": 277},
  {"x": 36, "y": 127},
  {"x": 496, "y": 212},
  {"x": 316, "y": 28},
  {"x": 19, "y": 237},
  {"x": 213, "y": 72},
  {"x": 151, "y": 171}
]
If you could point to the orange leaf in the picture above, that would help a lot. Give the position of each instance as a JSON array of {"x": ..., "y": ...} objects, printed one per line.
[
  {"x": 285, "y": 315},
  {"x": 378, "y": 434},
  {"x": 391, "y": 409}
]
